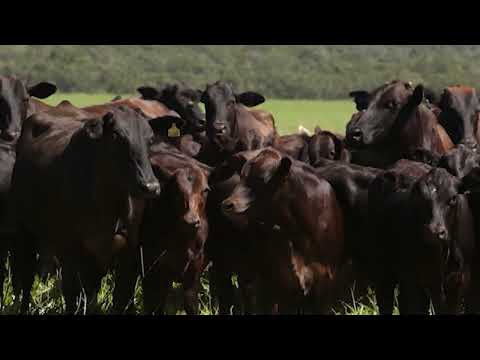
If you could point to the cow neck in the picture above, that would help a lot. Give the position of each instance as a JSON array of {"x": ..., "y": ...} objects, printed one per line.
[{"x": 108, "y": 195}]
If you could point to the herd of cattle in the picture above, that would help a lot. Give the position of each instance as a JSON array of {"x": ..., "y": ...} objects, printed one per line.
[{"x": 151, "y": 186}]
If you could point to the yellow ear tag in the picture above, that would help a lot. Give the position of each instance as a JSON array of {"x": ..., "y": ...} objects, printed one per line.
[{"x": 174, "y": 131}]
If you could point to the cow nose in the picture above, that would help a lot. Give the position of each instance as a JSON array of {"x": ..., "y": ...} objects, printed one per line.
[
  {"x": 357, "y": 135},
  {"x": 202, "y": 121},
  {"x": 152, "y": 187},
  {"x": 227, "y": 206},
  {"x": 442, "y": 234},
  {"x": 7, "y": 135}
]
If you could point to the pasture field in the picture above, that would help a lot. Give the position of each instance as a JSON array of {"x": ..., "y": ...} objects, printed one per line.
[{"x": 289, "y": 114}]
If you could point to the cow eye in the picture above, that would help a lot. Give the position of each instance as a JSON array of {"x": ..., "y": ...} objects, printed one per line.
[{"x": 391, "y": 105}]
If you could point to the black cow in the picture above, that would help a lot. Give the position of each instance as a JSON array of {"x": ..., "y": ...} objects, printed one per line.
[
  {"x": 70, "y": 184},
  {"x": 423, "y": 236},
  {"x": 16, "y": 103}
]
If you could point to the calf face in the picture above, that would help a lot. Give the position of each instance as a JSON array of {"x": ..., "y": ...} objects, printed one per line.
[
  {"x": 189, "y": 189},
  {"x": 459, "y": 116},
  {"x": 434, "y": 197},
  {"x": 14, "y": 102},
  {"x": 126, "y": 135},
  {"x": 460, "y": 160},
  {"x": 220, "y": 102},
  {"x": 260, "y": 177},
  {"x": 324, "y": 144},
  {"x": 184, "y": 100}
]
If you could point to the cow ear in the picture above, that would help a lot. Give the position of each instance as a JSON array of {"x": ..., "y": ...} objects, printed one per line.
[
  {"x": 282, "y": 172},
  {"x": 161, "y": 125},
  {"x": 42, "y": 90},
  {"x": 250, "y": 98},
  {"x": 148, "y": 92},
  {"x": 361, "y": 99},
  {"x": 470, "y": 181},
  {"x": 94, "y": 128},
  {"x": 108, "y": 121},
  {"x": 417, "y": 96},
  {"x": 317, "y": 129}
]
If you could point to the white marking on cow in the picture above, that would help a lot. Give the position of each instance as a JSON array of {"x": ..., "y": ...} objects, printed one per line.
[{"x": 303, "y": 130}]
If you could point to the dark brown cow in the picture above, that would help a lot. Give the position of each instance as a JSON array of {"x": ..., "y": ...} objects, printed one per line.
[
  {"x": 70, "y": 184},
  {"x": 460, "y": 114},
  {"x": 395, "y": 123},
  {"x": 305, "y": 246},
  {"x": 231, "y": 126},
  {"x": 327, "y": 145},
  {"x": 173, "y": 232},
  {"x": 351, "y": 183},
  {"x": 424, "y": 238},
  {"x": 231, "y": 244}
]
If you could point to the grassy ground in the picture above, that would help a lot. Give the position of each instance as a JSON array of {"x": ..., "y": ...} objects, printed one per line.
[
  {"x": 331, "y": 115},
  {"x": 289, "y": 114}
]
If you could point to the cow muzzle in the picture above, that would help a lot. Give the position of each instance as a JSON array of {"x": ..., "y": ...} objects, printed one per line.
[{"x": 151, "y": 188}]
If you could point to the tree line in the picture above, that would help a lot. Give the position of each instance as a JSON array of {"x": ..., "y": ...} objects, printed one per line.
[{"x": 276, "y": 71}]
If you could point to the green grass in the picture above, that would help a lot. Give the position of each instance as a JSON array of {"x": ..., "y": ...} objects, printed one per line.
[
  {"x": 289, "y": 114},
  {"x": 331, "y": 115}
]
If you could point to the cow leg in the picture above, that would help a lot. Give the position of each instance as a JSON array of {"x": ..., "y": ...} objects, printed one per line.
[
  {"x": 191, "y": 284},
  {"x": 70, "y": 287},
  {"x": 23, "y": 271},
  {"x": 221, "y": 283},
  {"x": 156, "y": 287},
  {"x": 3, "y": 272},
  {"x": 384, "y": 292},
  {"x": 91, "y": 279},
  {"x": 125, "y": 281},
  {"x": 249, "y": 296},
  {"x": 412, "y": 298},
  {"x": 472, "y": 296}
]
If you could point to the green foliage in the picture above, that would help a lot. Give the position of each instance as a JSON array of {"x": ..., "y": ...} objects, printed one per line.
[{"x": 278, "y": 71}]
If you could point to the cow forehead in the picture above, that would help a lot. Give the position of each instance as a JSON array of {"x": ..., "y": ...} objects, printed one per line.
[
  {"x": 396, "y": 90},
  {"x": 440, "y": 183},
  {"x": 10, "y": 86},
  {"x": 220, "y": 90},
  {"x": 263, "y": 164}
]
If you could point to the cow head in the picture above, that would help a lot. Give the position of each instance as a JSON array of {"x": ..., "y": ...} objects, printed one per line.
[
  {"x": 187, "y": 189},
  {"x": 324, "y": 144},
  {"x": 374, "y": 124},
  {"x": 220, "y": 106},
  {"x": 260, "y": 178},
  {"x": 125, "y": 135},
  {"x": 182, "y": 99},
  {"x": 434, "y": 198},
  {"x": 459, "y": 116},
  {"x": 14, "y": 103},
  {"x": 460, "y": 160}
]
